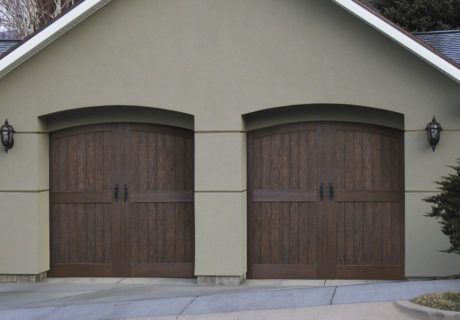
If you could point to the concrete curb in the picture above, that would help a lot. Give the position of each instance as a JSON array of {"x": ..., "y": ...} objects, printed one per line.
[{"x": 425, "y": 312}]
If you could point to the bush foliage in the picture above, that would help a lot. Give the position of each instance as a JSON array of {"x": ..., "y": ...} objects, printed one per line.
[
  {"x": 446, "y": 208},
  {"x": 420, "y": 15},
  {"x": 445, "y": 301}
]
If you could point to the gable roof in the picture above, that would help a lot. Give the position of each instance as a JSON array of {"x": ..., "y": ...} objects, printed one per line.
[
  {"x": 64, "y": 23},
  {"x": 447, "y": 42}
]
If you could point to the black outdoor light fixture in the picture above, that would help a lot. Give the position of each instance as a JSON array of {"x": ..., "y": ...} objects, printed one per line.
[
  {"x": 433, "y": 131},
  {"x": 6, "y": 134}
]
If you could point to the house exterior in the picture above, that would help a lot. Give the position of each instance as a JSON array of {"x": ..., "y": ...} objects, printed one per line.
[{"x": 224, "y": 140}]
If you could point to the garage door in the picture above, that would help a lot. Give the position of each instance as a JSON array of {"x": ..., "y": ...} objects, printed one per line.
[
  {"x": 326, "y": 200},
  {"x": 122, "y": 201}
]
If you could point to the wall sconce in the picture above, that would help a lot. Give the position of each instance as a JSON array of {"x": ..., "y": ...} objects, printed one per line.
[
  {"x": 6, "y": 134},
  {"x": 433, "y": 131}
]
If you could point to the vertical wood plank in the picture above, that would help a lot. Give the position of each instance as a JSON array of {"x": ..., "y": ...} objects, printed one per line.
[
  {"x": 349, "y": 232},
  {"x": 305, "y": 160},
  {"x": 189, "y": 234},
  {"x": 367, "y": 161},
  {"x": 143, "y": 232},
  {"x": 377, "y": 233},
  {"x": 170, "y": 232},
  {"x": 358, "y": 241},
  {"x": 91, "y": 232},
  {"x": 179, "y": 232},
  {"x": 312, "y": 233},
  {"x": 303, "y": 233},
  {"x": 90, "y": 162},
  {"x": 189, "y": 164},
  {"x": 293, "y": 160},
  {"x": 152, "y": 233},
  {"x": 358, "y": 181},
  {"x": 294, "y": 233},
  {"x": 99, "y": 233},
  {"x": 340, "y": 160},
  {"x": 368, "y": 234},
  {"x": 340, "y": 233},
  {"x": 275, "y": 209},
  {"x": 348, "y": 160},
  {"x": 152, "y": 165},
  {"x": 179, "y": 164},
  {"x": 265, "y": 230},
  {"x": 284, "y": 232},
  {"x": 99, "y": 162}
]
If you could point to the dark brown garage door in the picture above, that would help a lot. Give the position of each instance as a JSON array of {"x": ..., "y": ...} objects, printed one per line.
[
  {"x": 326, "y": 200},
  {"x": 122, "y": 201}
]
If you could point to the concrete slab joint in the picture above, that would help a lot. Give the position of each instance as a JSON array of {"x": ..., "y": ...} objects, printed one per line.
[{"x": 220, "y": 280}]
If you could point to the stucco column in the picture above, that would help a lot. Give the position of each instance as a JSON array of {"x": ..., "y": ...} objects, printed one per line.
[
  {"x": 424, "y": 239},
  {"x": 24, "y": 227},
  {"x": 220, "y": 207}
]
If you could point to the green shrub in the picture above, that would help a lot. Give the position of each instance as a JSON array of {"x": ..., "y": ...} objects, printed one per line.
[{"x": 446, "y": 208}]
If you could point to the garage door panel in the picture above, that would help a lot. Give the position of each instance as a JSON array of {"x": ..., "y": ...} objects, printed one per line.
[
  {"x": 122, "y": 201},
  {"x": 367, "y": 234},
  {"x": 283, "y": 184},
  {"x": 369, "y": 193},
  {"x": 308, "y": 233},
  {"x": 357, "y": 224}
]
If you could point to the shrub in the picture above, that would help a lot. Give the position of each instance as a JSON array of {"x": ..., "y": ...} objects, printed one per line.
[
  {"x": 446, "y": 208},
  {"x": 445, "y": 301}
]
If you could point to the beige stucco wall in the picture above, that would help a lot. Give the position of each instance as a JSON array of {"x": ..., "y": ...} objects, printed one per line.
[{"x": 217, "y": 60}]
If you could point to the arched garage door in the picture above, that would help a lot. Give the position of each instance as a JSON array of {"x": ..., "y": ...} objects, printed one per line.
[
  {"x": 122, "y": 201},
  {"x": 326, "y": 200}
]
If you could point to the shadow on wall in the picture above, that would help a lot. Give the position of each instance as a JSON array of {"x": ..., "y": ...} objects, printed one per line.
[
  {"x": 108, "y": 114},
  {"x": 322, "y": 112}
]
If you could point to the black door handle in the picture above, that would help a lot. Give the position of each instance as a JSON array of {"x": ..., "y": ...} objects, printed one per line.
[
  {"x": 125, "y": 192},
  {"x": 115, "y": 191},
  {"x": 331, "y": 191},
  {"x": 321, "y": 191}
]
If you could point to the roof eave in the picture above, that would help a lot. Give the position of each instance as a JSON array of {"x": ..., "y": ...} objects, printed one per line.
[
  {"x": 401, "y": 38},
  {"x": 48, "y": 35}
]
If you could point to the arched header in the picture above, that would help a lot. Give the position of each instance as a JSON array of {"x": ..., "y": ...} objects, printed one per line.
[
  {"x": 322, "y": 112},
  {"x": 105, "y": 114}
]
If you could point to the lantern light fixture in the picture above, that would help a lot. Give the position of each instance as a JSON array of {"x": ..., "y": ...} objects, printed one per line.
[
  {"x": 6, "y": 135},
  {"x": 433, "y": 131}
]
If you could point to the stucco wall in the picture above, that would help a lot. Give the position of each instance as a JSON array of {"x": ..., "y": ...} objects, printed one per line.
[{"x": 217, "y": 60}]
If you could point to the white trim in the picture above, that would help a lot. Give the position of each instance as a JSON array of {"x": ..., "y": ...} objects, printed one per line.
[
  {"x": 401, "y": 38},
  {"x": 51, "y": 33}
]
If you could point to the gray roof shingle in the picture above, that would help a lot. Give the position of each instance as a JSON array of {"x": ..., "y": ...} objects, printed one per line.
[
  {"x": 5, "y": 45},
  {"x": 446, "y": 42}
]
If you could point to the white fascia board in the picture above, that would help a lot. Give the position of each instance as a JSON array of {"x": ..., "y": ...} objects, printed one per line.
[
  {"x": 49, "y": 34},
  {"x": 443, "y": 65}
]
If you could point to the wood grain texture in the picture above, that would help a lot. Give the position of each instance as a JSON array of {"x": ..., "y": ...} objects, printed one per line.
[
  {"x": 147, "y": 228},
  {"x": 282, "y": 196},
  {"x": 357, "y": 231}
]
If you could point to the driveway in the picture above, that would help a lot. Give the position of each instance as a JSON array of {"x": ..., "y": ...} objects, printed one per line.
[{"x": 133, "y": 298}]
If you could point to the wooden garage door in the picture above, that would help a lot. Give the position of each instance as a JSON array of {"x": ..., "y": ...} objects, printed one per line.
[
  {"x": 326, "y": 200},
  {"x": 122, "y": 201}
]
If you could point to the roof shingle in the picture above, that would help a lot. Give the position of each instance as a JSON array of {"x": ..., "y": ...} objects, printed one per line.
[
  {"x": 446, "y": 42},
  {"x": 5, "y": 45}
]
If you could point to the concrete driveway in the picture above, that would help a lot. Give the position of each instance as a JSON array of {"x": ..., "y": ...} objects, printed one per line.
[{"x": 135, "y": 298}]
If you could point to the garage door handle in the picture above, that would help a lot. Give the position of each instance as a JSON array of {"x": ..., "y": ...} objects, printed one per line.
[
  {"x": 331, "y": 191},
  {"x": 115, "y": 191},
  {"x": 125, "y": 192},
  {"x": 321, "y": 191}
]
